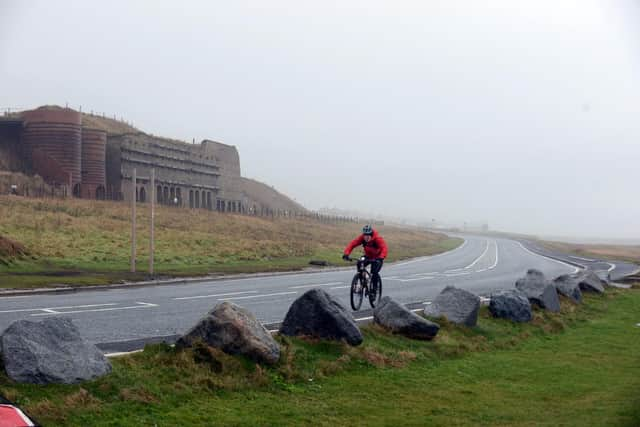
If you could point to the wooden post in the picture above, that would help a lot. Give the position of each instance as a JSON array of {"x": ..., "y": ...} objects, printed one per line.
[
  {"x": 153, "y": 216},
  {"x": 134, "y": 181}
]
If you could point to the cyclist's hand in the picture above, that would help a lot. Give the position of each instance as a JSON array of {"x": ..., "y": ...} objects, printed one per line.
[{"x": 345, "y": 257}]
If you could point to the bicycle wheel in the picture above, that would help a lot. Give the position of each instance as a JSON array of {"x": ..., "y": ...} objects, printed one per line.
[
  {"x": 356, "y": 293},
  {"x": 375, "y": 292}
]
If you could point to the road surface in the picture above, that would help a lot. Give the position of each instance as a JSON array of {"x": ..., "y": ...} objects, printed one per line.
[{"x": 121, "y": 319}]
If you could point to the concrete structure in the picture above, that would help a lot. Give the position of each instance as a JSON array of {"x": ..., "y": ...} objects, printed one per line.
[{"x": 94, "y": 157}]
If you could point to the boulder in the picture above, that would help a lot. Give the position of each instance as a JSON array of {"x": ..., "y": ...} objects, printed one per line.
[
  {"x": 318, "y": 314},
  {"x": 235, "y": 331},
  {"x": 400, "y": 320},
  {"x": 590, "y": 282},
  {"x": 539, "y": 290},
  {"x": 568, "y": 286},
  {"x": 50, "y": 351},
  {"x": 457, "y": 305},
  {"x": 510, "y": 304}
]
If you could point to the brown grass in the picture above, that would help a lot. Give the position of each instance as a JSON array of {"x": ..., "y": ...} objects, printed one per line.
[
  {"x": 613, "y": 252},
  {"x": 85, "y": 236}
]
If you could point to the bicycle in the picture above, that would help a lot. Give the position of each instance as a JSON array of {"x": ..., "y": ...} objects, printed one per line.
[{"x": 360, "y": 284}]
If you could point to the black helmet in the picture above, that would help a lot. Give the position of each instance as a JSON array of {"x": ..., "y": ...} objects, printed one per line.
[{"x": 367, "y": 229}]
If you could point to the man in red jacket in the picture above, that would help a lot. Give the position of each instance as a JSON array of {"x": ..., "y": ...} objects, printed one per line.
[{"x": 375, "y": 249}]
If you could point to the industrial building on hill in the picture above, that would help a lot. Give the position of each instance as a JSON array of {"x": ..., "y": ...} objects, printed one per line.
[{"x": 88, "y": 158}]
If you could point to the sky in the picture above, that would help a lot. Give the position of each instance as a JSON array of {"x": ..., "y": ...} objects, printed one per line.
[{"x": 523, "y": 114}]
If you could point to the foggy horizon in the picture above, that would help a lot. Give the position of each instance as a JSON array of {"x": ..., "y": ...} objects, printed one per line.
[{"x": 522, "y": 115}]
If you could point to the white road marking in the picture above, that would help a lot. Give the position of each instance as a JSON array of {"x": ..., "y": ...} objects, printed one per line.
[
  {"x": 410, "y": 280},
  {"x": 613, "y": 266},
  {"x": 55, "y": 309},
  {"x": 341, "y": 287},
  {"x": 432, "y": 256},
  {"x": 140, "y": 305},
  {"x": 457, "y": 274},
  {"x": 580, "y": 258},
  {"x": 216, "y": 295},
  {"x": 575, "y": 269},
  {"x": 316, "y": 285},
  {"x": 479, "y": 258},
  {"x": 259, "y": 296},
  {"x": 495, "y": 263}
]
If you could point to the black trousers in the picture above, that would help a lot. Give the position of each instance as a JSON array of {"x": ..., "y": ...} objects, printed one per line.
[{"x": 376, "y": 266}]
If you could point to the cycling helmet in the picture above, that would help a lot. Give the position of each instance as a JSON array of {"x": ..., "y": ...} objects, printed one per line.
[{"x": 367, "y": 229}]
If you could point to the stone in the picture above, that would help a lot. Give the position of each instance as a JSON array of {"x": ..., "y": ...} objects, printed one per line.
[
  {"x": 457, "y": 305},
  {"x": 235, "y": 331},
  {"x": 50, "y": 351},
  {"x": 590, "y": 282},
  {"x": 568, "y": 286},
  {"x": 400, "y": 320},
  {"x": 510, "y": 304},
  {"x": 539, "y": 290},
  {"x": 318, "y": 314}
]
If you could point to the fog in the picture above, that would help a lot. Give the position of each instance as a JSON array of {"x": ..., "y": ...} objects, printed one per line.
[{"x": 522, "y": 114}]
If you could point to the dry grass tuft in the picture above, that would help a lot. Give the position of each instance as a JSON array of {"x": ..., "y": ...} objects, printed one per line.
[{"x": 138, "y": 394}]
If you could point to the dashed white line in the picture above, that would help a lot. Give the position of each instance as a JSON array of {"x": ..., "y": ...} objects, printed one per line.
[
  {"x": 315, "y": 285},
  {"x": 216, "y": 295},
  {"x": 57, "y": 308},
  {"x": 140, "y": 305},
  {"x": 259, "y": 296},
  {"x": 341, "y": 287}
]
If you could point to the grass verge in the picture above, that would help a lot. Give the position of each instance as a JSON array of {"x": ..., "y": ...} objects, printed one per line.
[
  {"x": 576, "y": 368},
  {"x": 82, "y": 242}
]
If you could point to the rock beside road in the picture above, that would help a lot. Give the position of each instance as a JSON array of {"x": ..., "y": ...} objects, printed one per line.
[
  {"x": 539, "y": 290},
  {"x": 318, "y": 314},
  {"x": 510, "y": 304},
  {"x": 400, "y": 320},
  {"x": 50, "y": 351},
  {"x": 569, "y": 286},
  {"x": 457, "y": 305},
  {"x": 590, "y": 282},
  {"x": 235, "y": 331}
]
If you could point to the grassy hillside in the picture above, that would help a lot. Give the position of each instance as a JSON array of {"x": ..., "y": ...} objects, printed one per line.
[
  {"x": 613, "y": 252},
  {"x": 576, "y": 368},
  {"x": 88, "y": 242}
]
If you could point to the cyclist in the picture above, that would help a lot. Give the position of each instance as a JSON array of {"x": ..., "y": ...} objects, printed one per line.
[{"x": 375, "y": 250}]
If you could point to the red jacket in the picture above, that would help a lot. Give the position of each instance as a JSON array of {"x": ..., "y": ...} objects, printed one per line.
[{"x": 375, "y": 248}]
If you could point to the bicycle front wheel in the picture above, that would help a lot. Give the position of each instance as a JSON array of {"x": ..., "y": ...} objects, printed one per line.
[
  {"x": 356, "y": 293},
  {"x": 375, "y": 291}
]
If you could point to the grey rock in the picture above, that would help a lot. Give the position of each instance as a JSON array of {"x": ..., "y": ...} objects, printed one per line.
[
  {"x": 235, "y": 331},
  {"x": 400, "y": 320},
  {"x": 569, "y": 286},
  {"x": 50, "y": 351},
  {"x": 457, "y": 305},
  {"x": 590, "y": 282},
  {"x": 510, "y": 304},
  {"x": 539, "y": 290},
  {"x": 318, "y": 314}
]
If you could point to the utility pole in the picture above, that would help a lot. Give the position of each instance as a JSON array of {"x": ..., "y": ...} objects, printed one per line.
[
  {"x": 134, "y": 193},
  {"x": 153, "y": 216}
]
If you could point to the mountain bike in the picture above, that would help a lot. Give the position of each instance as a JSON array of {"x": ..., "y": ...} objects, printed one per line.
[{"x": 362, "y": 284}]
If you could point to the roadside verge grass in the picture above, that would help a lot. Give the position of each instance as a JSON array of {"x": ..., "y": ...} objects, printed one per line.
[
  {"x": 577, "y": 368},
  {"x": 83, "y": 242}
]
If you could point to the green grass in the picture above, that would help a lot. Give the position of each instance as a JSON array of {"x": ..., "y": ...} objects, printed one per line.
[
  {"x": 81, "y": 242},
  {"x": 577, "y": 368}
]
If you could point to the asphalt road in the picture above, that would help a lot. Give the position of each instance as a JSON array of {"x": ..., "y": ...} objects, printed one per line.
[{"x": 122, "y": 319}]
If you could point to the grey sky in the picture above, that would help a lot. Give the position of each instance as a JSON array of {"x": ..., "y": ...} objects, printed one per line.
[{"x": 524, "y": 114}]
